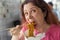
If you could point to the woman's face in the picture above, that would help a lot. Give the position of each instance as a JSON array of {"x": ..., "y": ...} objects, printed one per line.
[{"x": 33, "y": 14}]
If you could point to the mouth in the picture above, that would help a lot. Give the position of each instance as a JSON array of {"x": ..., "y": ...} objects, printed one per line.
[{"x": 33, "y": 23}]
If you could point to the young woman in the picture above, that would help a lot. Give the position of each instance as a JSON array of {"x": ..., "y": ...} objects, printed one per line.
[{"x": 45, "y": 23}]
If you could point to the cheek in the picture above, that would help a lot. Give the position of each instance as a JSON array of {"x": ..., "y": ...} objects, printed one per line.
[
  {"x": 38, "y": 16},
  {"x": 26, "y": 17}
]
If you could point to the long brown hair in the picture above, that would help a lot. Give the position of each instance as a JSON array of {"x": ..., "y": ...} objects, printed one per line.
[{"x": 50, "y": 18}]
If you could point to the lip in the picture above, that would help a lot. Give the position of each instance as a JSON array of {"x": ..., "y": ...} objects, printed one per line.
[{"x": 34, "y": 23}]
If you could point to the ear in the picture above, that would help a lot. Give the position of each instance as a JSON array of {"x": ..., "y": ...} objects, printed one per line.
[{"x": 45, "y": 13}]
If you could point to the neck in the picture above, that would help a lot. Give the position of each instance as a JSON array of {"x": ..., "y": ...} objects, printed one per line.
[{"x": 42, "y": 27}]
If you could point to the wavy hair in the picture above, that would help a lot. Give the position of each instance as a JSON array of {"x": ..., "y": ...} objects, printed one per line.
[{"x": 50, "y": 18}]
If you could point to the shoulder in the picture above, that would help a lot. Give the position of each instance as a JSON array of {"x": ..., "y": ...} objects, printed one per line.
[
  {"x": 54, "y": 28},
  {"x": 54, "y": 31}
]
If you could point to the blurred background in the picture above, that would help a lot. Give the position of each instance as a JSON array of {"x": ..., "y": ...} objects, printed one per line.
[{"x": 10, "y": 15}]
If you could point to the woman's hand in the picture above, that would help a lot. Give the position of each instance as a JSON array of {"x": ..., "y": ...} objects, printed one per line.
[
  {"x": 15, "y": 30},
  {"x": 15, "y": 37}
]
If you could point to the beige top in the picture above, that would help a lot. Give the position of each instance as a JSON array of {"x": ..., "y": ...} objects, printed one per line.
[{"x": 38, "y": 37}]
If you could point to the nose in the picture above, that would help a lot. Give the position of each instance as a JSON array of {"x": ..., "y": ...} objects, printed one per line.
[{"x": 29, "y": 16}]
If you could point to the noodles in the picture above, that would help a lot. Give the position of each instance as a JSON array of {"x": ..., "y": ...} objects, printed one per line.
[{"x": 31, "y": 29}]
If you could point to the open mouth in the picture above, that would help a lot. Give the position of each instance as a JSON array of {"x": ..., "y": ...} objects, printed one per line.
[{"x": 34, "y": 23}]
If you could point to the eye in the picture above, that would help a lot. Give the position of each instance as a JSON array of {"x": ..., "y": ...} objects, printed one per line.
[
  {"x": 25, "y": 13},
  {"x": 34, "y": 10}
]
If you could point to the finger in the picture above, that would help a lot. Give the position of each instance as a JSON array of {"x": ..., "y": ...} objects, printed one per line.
[
  {"x": 13, "y": 29},
  {"x": 18, "y": 26}
]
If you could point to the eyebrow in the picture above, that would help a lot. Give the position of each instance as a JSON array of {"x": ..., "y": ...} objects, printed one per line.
[{"x": 31, "y": 8}]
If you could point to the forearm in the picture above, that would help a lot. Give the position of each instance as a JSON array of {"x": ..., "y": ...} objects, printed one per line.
[{"x": 15, "y": 37}]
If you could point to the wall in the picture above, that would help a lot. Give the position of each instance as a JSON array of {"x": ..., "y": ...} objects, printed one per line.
[{"x": 9, "y": 12}]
